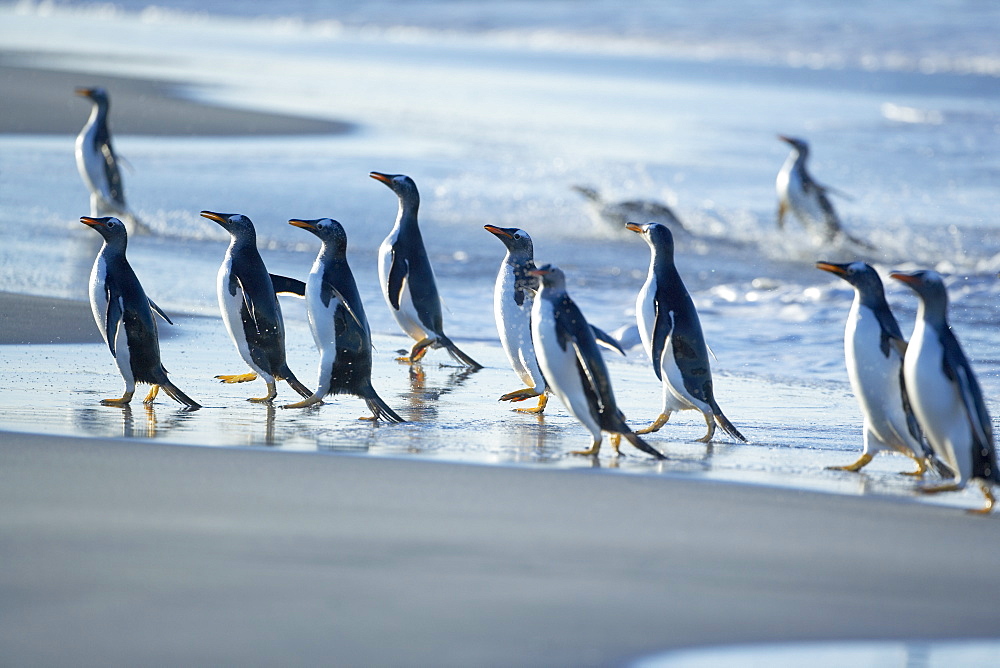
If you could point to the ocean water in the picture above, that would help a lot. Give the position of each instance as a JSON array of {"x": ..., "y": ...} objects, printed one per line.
[{"x": 497, "y": 110}]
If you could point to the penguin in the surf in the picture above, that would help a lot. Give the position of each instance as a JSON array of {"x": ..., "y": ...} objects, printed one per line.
[
  {"x": 249, "y": 304},
  {"x": 407, "y": 278},
  {"x": 672, "y": 336},
  {"x": 125, "y": 317},
  {"x": 338, "y": 323},
  {"x": 573, "y": 366}
]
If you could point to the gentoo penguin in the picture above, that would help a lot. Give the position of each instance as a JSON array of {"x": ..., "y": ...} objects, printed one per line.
[
  {"x": 874, "y": 348},
  {"x": 806, "y": 199},
  {"x": 338, "y": 323},
  {"x": 124, "y": 314},
  {"x": 249, "y": 303},
  {"x": 513, "y": 297},
  {"x": 616, "y": 214},
  {"x": 671, "y": 334},
  {"x": 407, "y": 278},
  {"x": 945, "y": 393},
  {"x": 573, "y": 366},
  {"x": 98, "y": 164}
]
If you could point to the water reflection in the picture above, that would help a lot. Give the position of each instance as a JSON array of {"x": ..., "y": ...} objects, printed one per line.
[{"x": 423, "y": 397}]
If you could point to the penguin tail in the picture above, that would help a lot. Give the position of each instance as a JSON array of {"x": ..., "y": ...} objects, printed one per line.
[
  {"x": 726, "y": 425},
  {"x": 379, "y": 408},
  {"x": 635, "y": 440},
  {"x": 175, "y": 393},
  {"x": 294, "y": 383},
  {"x": 455, "y": 352}
]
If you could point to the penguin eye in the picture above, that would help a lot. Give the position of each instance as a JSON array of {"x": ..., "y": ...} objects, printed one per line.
[
  {"x": 111, "y": 223},
  {"x": 517, "y": 236}
]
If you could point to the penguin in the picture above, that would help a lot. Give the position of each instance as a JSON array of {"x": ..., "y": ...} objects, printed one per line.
[
  {"x": 124, "y": 314},
  {"x": 249, "y": 303},
  {"x": 98, "y": 164},
  {"x": 806, "y": 199},
  {"x": 874, "y": 348},
  {"x": 407, "y": 278},
  {"x": 672, "y": 336},
  {"x": 945, "y": 394},
  {"x": 573, "y": 366},
  {"x": 513, "y": 297},
  {"x": 338, "y": 323},
  {"x": 616, "y": 214}
]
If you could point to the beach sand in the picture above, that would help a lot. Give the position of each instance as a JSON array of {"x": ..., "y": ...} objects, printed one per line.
[{"x": 130, "y": 551}]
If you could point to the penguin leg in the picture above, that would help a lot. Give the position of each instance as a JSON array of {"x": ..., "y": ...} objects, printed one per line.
[
  {"x": 592, "y": 450},
  {"x": 937, "y": 489},
  {"x": 238, "y": 378},
  {"x": 856, "y": 466},
  {"x": 616, "y": 442},
  {"x": 153, "y": 391},
  {"x": 123, "y": 401},
  {"x": 657, "y": 424},
  {"x": 921, "y": 468},
  {"x": 272, "y": 392},
  {"x": 710, "y": 421},
  {"x": 418, "y": 351},
  {"x": 543, "y": 399},
  {"x": 311, "y": 401},
  {"x": 782, "y": 210},
  {"x": 520, "y": 395},
  {"x": 990, "y": 499}
]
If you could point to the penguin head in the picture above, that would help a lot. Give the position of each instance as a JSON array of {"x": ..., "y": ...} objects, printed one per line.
[
  {"x": 552, "y": 277},
  {"x": 97, "y": 94},
  {"x": 236, "y": 224},
  {"x": 517, "y": 241},
  {"x": 328, "y": 230},
  {"x": 112, "y": 229},
  {"x": 656, "y": 235},
  {"x": 800, "y": 145},
  {"x": 928, "y": 285},
  {"x": 401, "y": 184},
  {"x": 859, "y": 274}
]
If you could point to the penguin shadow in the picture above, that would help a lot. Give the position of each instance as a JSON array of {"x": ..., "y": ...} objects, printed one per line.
[{"x": 422, "y": 401}]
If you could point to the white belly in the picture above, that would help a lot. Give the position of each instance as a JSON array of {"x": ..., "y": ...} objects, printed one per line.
[
  {"x": 99, "y": 307},
  {"x": 559, "y": 367},
  {"x": 675, "y": 395},
  {"x": 322, "y": 325},
  {"x": 514, "y": 328},
  {"x": 406, "y": 316},
  {"x": 936, "y": 403},
  {"x": 806, "y": 207},
  {"x": 875, "y": 381},
  {"x": 231, "y": 306}
]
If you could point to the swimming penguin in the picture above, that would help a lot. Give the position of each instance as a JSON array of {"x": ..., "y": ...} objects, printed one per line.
[
  {"x": 573, "y": 366},
  {"x": 338, "y": 323},
  {"x": 98, "y": 164},
  {"x": 616, "y": 214},
  {"x": 945, "y": 394},
  {"x": 407, "y": 278},
  {"x": 874, "y": 348},
  {"x": 124, "y": 314},
  {"x": 672, "y": 336},
  {"x": 249, "y": 303},
  {"x": 513, "y": 297},
  {"x": 806, "y": 199}
]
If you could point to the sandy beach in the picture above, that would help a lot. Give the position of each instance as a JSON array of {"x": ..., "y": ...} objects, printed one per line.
[{"x": 138, "y": 551}]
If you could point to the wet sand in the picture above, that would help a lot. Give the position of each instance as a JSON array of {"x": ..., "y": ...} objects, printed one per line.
[{"x": 137, "y": 553}]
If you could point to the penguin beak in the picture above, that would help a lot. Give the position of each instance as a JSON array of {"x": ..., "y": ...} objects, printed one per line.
[
  {"x": 217, "y": 217},
  {"x": 905, "y": 278},
  {"x": 786, "y": 139},
  {"x": 304, "y": 224},
  {"x": 837, "y": 269},
  {"x": 635, "y": 227},
  {"x": 538, "y": 272},
  {"x": 378, "y": 176},
  {"x": 93, "y": 222},
  {"x": 498, "y": 231},
  {"x": 85, "y": 92}
]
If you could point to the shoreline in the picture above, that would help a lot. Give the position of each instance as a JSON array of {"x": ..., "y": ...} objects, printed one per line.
[
  {"x": 196, "y": 553},
  {"x": 40, "y": 100}
]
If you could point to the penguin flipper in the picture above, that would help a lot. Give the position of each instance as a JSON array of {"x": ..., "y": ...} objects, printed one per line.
[
  {"x": 329, "y": 291},
  {"x": 113, "y": 318},
  {"x": 158, "y": 311},
  {"x": 288, "y": 286},
  {"x": 111, "y": 172},
  {"x": 957, "y": 368},
  {"x": 398, "y": 270},
  {"x": 606, "y": 340},
  {"x": 663, "y": 325}
]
